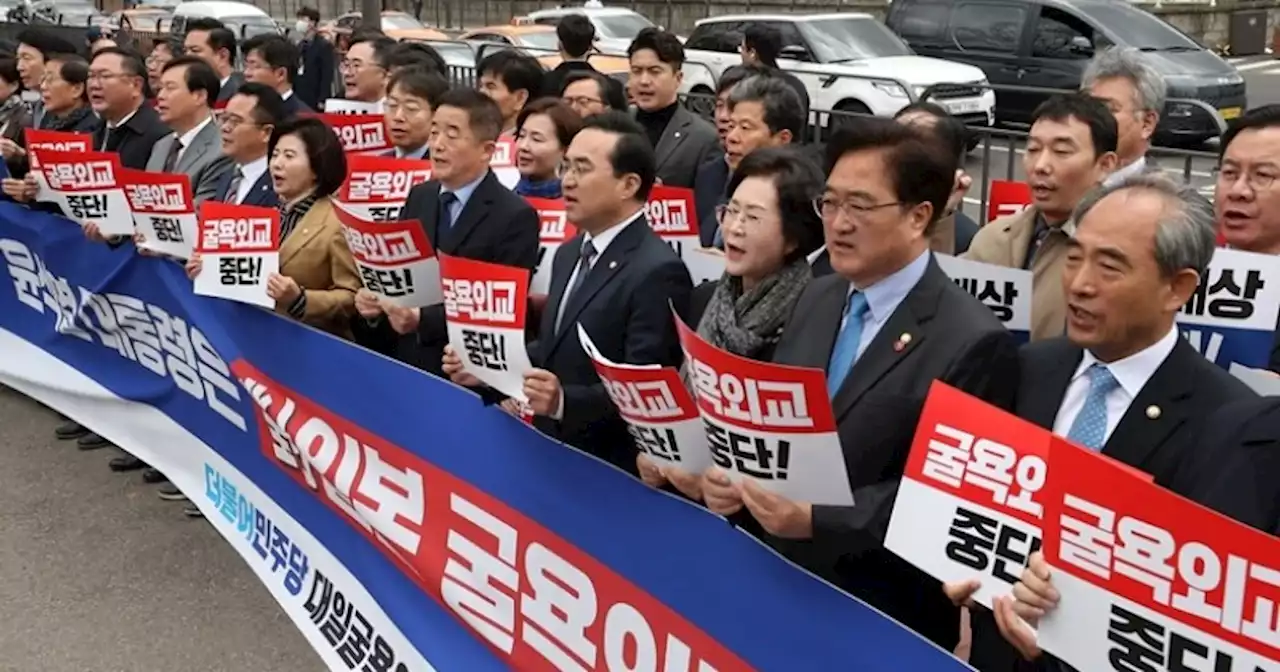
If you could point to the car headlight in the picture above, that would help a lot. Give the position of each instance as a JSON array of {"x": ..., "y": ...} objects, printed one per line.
[{"x": 890, "y": 89}]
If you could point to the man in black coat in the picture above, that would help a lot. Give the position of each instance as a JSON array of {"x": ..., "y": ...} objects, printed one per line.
[
  {"x": 317, "y": 64},
  {"x": 130, "y": 127}
]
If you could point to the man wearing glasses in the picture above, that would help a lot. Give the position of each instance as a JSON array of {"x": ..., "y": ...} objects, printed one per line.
[
  {"x": 364, "y": 71},
  {"x": 130, "y": 128},
  {"x": 247, "y": 122}
]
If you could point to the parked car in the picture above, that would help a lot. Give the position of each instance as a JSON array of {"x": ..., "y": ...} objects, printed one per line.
[
  {"x": 69, "y": 13},
  {"x": 538, "y": 41},
  {"x": 615, "y": 27},
  {"x": 848, "y": 62},
  {"x": 1047, "y": 43},
  {"x": 396, "y": 25},
  {"x": 143, "y": 18},
  {"x": 244, "y": 19}
]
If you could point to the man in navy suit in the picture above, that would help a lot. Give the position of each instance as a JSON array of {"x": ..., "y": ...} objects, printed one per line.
[
  {"x": 273, "y": 60},
  {"x": 247, "y": 122}
]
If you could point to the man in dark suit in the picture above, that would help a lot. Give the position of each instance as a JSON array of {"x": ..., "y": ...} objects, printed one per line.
[
  {"x": 1123, "y": 381},
  {"x": 682, "y": 141},
  {"x": 886, "y": 325},
  {"x": 466, "y": 212},
  {"x": 130, "y": 127},
  {"x": 273, "y": 60},
  {"x": 212, "y": 41},
  {"x": 576, "y": 36},
  {"x": 317, "y": 63},
  {"x": 616, "y": 279}
]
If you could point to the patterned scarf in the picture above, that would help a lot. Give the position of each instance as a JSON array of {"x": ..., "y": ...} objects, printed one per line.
[
  {"x": 539, "y": 189},
  {"x": 746, "y": 323},
  {"x": 291, "y": 215},
  {"x": 67, "y": 121}
]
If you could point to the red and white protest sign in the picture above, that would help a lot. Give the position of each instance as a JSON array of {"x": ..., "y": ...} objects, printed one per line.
[
  {"x": 555, "y": 231},
  {"x": 1007, "y": 198},
  {"x": 52, "y": 141},
  {"x": 344, "y": 106},
  {"x": 377, "y": 187},
  {"x": 395, "y": 259},
  {"x": 674, "y": 218},
  {"x": 485, "y": 307},
  {"x": 87, "y": 186},
  {"x": 239, "y": 247},
  {"x": 970, "y": 505},
  {"x": 661, "y": 416},
  {"x": 1149, "y": 580},
  {"x": 163, "y": 210},
  {"x": 503, "y": 162},
  {"x": 359, "y": 133},
  {"x": 767, "y": 422}
]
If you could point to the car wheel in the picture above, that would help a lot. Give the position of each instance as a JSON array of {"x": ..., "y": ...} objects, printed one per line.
[{"x": 848, "y": 109}]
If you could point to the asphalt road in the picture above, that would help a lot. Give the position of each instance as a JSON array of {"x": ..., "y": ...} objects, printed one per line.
[{"x": 98, "y": 575}]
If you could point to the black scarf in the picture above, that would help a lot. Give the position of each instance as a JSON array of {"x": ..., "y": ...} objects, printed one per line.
[{"x": 67, "y": 121}]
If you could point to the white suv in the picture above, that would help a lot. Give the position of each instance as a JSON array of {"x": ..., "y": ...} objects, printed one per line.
[
  {"x": 615, "y": 27},
  {"x": 848, "y": 62}
]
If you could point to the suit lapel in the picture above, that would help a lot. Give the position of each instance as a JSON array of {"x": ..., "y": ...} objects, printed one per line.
[
  {"x": 305, "y": 230},
  {"x": 262, "y": 193},
  {"x": 474, "y": 212},
  {"x": 672, "y": 136},
  {"x": 431, "y": 218},
  {"x": 1167, "y": 396},
  {"x": 602, "y": 271},
  {"x": 1043, "y": 397},
  {"x": 1020, "y": 232},
  {"x": 823, "y": 326},
  {"x": 561, "y": 268},
  {"x": 199, "y": 145}
]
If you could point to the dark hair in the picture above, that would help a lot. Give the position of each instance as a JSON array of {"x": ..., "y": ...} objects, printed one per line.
[
  {"x": 378, "y": 42},
  {"x": 632, "y": 153},
  {"x": 73, "y": 70},
  {"x": 308, "y": 13},
  {"x": 416, "y": 54},
  {"x": 1256, "y": 119},
  {"x": 798, "y": 182},
  {"x": 780, "y": 103},
  {"x": 566, "y": 121},
  {"x": 483, "y": 115},
  {"x": 946, "y": 129},
  {"x": 611, "y": 95},
  {"x": 268, "y": 108},
  {"x": 130, "y": 61},
  {"x": 518, "y": 71},
  {"x": 168, "y": 42},
  {"x": 9, "y": 70},
  {"x": 420, "y": 82},
  {"x": 1087, "y": 110},
  {"x": 920, "y": 171},
  {"x": 198, "y": 77},
  {"x": 324, "y": 151},
  {"x": 276, "y": 51},
  {"x": 576, "y": 34},
  {"x": 765, "y": 40},
  {"x": 666, "y": 45},
  {"x": 220, "y": 36},
  {"x": 45, "y": 42},
  {"x": 736, "y": 73}
]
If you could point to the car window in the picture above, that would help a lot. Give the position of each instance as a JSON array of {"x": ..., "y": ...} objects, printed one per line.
[
  {"x": 794, "y": 46},
  {"x": 621, "y": 26},
  {"x": 347, "y": 21},
  {"x": 706, "y": 37},
  {"x": 1137, "y": 28},
  {"x": 547, "y": 21},
  {"x": 541, "y": 41},
  {"x": 1061, "y": 36},
  {"x": 851, "y": 38},
  {"x": 990, "y": 27},
  {"x": 923, "y": 21}
]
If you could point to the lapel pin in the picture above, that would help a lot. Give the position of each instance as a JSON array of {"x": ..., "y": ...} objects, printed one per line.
[
  {"x": 613, "y": 265},
  {"x": 1153, "y": 412},
  {"x": 901, "y": 343},
  {"x": 677, "y": 134}
]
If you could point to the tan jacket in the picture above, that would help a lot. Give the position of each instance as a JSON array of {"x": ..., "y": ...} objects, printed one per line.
[
  {"x": 1004, "y": 242},
  {"x": 315, "y": 255}
]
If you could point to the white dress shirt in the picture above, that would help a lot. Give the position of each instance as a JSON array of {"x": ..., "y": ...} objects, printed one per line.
[
  {"x": 1132, "y": 374},
  {"x": 251, "y": 172},
  {"x": 1123, "y": 172},
  {"x": 185, "y": 140},
  {"x": 884, "y": 297}
]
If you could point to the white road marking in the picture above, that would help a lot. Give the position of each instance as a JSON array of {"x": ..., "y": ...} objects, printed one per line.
[{"x": 1256, "y": 65}]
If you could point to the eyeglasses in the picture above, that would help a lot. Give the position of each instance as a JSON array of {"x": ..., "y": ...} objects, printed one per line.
[
  {"x": 581, "y": 101},
  {"x": 731, "y": 213},
  {"x": 828, "y": 207},
  {"x": 356, "y": 65},
  {"x": 1256, "y": 181},
  {"x": 231, "y": 122}
]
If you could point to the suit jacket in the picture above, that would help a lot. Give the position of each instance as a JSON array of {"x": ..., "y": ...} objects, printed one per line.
[
  {"x": 495, "y": 226},
  {"x": 316, "y": 68},
  {"x": 1186, "y": 388},
  {"x": 231, "y": 87},
  {"x": 262, "y": 194},
  {"x": 203, "y": 161},
  {"x": 688, "y": 142},
  {"x": 293, "y": 106},
  {"x": 625, "y": 307},
  {"x": 134, "y": 140},
  {"x": 1005, "y": 241},
  {"x": 953, "y": 338},
  {"x": 315, "y": 255},
  {"x": 708, "y": 192}
]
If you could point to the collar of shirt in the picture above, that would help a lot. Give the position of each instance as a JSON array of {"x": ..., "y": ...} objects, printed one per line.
[
  {"x": 187, "y": 138},
  {"x": 601, "y": 240},
  {"x": 419, "y": 153},
  {"x": 463, "y": 193},
  {"x": 252, "y": 171},
  {"x": 286, "y": 95},
  {"x": 127, "y": 118},
  {"x": 884, "y": 296},
  {"x": 224, "y": 80},
  {"x": 1130, "y": 170},
  {"x": 1134, "y": 371}
]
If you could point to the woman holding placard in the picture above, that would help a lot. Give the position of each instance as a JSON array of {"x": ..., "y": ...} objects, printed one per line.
[
  {"x": 317, "y": 282},
  {"x": 544, "y": 130}
]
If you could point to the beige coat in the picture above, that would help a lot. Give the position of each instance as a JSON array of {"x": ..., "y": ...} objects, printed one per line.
[
  {"x": 1004, "y": 242},
  {"x": 315, "y": 255}
]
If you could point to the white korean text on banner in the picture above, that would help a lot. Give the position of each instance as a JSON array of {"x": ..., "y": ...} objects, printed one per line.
[
  {"x": 239, "y": 246},
  {"x": 661, "y": 415},
  {"x": 1149, "y": 580},
  {"x": 554, "y": 231},
  {"x": 969, "y": 504},
  {"x": 163, "y": 211},
  {"x": 55, "y": 141},
  {"x": 767, "y": 422},
  {"x": 377, "y": 187},
  {"x": 503, "y": 163},
  {"x": 1006, "y": 291},
  {"x": 359, "y": 133},
  {"x": 1232, "y": 316},
  {"x": 1008, "y": 197},
  {"x": 395, "y": 260},
  {"x": 87, "y": 186},
  {"x": 485, "y": 306},
  {"x": 344, "y": 106}
]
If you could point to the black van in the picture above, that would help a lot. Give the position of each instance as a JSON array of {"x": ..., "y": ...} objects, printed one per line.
[{"x": 1047, "y": 43}]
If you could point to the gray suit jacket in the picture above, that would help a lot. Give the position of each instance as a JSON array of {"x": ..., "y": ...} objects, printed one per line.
[
  {"x": 688, "y": 142},
  {"x": 203, "y": 161},
  {"x": 229, "y": 89}
]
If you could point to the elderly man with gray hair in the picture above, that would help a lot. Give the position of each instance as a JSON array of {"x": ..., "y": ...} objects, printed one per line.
[
  {"x": 1122, "y": 381},
  {"x": 1134, "y": 91}
]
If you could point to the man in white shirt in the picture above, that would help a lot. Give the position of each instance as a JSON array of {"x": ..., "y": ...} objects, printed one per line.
[
  {"x": 247, "y": 122},
  {"x": 213, "y": 42},
  {"x": 412, "y": 97},
  {"x": 364, "y": 71},
  {"x": 188, "y": 88},
  {"x": 1134, "y": 91},
  {"x": 273, "y": 60}
]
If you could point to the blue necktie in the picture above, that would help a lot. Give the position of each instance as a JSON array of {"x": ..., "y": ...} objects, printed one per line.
[
  {"x": 1090, "y": 427},
  {"x": 845, "y": 353},
  {"x": 447, "y": 199}
]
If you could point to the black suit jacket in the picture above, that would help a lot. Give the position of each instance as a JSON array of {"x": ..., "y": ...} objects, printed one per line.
[
  {"x": 495, "y": 226},
  {"x": 708, "y": 192},
  {"x": 316, "y": 67},
  {"x": 234, "y": 81},
  {"x": 953, "y": 338},
  {"x": 262, "y": 194},
  {"x": 134, "y": 139},
  {"x": 1186, "y": 388},
  {"x": 625, "y": 307},
  {"x": 293, "y": 106}
]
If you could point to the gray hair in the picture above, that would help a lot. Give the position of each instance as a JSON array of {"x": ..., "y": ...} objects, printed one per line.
[
  {"x": 1185, "y": 233},
  {"x": 781, "y": 103},
  {"x": 1130, "y": 64}
]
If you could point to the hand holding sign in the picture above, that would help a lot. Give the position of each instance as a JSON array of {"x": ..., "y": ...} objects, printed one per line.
[
  {"x": 721, "y": 494},
  {"x": 368, "y": 304},
  {"x": 778, "y": 515},
  {"x": 452, "y": 366},
  {"x": 1014, "y": 628},
  {"x": 542, "y": 389},
  {"x": 403, "y": 320}
]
